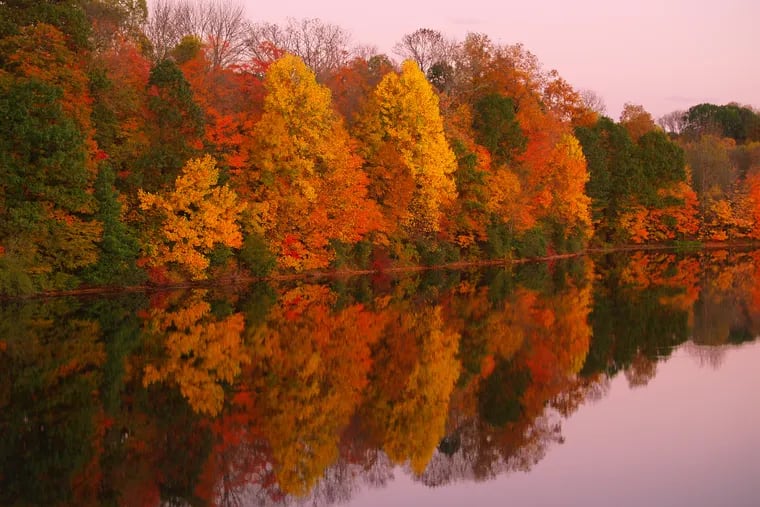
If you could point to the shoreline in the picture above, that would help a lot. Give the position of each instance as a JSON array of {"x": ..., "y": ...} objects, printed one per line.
[{"x": 347, "y": 273}]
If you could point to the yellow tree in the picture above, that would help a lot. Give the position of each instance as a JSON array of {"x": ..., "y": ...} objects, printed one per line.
[
  {"x": 507, "y": 200},
  {"x": 193, "y": 218},
  {"x": 570, "y": 202},
  {"x": 403, "y": 117},
  {"x": 306, "y": 178}
]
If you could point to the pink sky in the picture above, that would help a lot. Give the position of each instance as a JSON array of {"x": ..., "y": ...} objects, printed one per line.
[{"x": 663, "y": 54}]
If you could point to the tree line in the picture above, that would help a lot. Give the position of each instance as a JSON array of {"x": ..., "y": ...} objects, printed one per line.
[{"x": 189, "y": 143}]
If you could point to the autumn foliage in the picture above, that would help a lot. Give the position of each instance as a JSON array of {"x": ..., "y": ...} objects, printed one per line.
[
  {"x": 403, "y": 119},
  {"x": 170, "y": 147},
  {"x": 306, "y": 180},
  {"x": 193, "y": 218},
  {"x": 140, "y": 150}
]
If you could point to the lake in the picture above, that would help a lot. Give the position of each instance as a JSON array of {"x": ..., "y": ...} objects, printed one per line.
[{"x": 619, "y": 379}]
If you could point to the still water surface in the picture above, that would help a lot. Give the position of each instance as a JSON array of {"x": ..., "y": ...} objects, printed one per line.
[{"x": 626, "y": 380}]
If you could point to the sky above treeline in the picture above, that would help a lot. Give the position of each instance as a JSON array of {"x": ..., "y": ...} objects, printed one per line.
[{"x": 662, "y": 54}]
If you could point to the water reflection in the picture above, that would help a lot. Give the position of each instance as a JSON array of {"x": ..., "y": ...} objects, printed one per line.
[
  {"x": 189, "y": 345},
  {"x": 306, "y": 392}
]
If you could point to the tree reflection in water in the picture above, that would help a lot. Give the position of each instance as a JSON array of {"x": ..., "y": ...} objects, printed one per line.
[{"x": 309, "y": 393}]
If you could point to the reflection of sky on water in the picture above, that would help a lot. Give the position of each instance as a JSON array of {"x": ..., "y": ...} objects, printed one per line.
[{"x": 690, "y": 437}]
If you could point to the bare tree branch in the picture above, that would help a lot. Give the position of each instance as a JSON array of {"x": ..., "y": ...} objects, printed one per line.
[
  {"x": 322, "y": 46},
  {"x": 673, "y": 122},
  {"x": 593, "y": 101},
  {"x": 220, "y": 25},
  {"x": 426, "y": 47}
]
